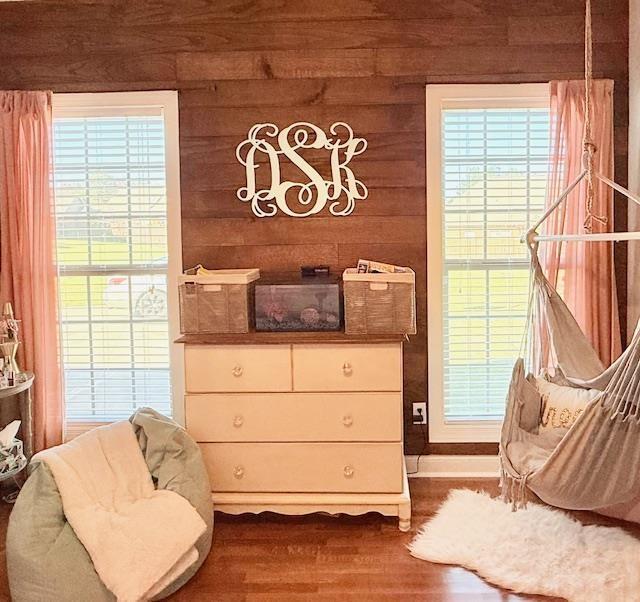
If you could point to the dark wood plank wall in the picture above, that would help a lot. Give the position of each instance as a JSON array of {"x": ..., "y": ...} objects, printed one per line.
[{"x": 366, "y": 62}]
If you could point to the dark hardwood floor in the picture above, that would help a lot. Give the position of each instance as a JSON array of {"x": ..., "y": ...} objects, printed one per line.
[{"x": 317, "y": 557}]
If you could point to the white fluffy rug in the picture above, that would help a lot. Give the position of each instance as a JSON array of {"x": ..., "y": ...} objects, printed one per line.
[{"x": 535, "y": 551}]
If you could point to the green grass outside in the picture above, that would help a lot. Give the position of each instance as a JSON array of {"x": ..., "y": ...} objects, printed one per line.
[{"x": 72, "y": 252}]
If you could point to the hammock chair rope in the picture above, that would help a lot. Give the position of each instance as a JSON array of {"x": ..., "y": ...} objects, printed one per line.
[{"x": 589, "y": 148}]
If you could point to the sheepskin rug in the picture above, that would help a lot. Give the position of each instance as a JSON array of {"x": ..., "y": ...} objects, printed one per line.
[{"x": 536, "y": 550}]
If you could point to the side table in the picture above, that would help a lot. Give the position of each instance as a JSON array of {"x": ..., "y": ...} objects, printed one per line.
[{"x": 16, "y": 403}]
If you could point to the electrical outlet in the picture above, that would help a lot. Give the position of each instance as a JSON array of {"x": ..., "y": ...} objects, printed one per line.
[{"x": 419, "y": 412}]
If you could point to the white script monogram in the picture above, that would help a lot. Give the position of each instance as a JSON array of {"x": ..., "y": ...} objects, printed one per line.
[{"x": 313, "y": 195}]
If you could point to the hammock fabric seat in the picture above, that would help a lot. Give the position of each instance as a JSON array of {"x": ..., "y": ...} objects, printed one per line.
[{"x": 596, "y": 464}]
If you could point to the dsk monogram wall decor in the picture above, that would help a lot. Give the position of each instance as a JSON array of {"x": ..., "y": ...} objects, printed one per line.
[{"x": 312, "y": 195}]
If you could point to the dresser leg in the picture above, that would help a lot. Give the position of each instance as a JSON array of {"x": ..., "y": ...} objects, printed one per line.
[{"x": 404, "y": 516}]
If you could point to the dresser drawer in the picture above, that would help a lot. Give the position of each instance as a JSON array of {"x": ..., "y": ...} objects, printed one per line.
[
  {"x": 294, "y": 417},
  {"x": 304, "y": 467},
  {"x": 347, "y": 367},
  {"x": 237, "y": 368}
]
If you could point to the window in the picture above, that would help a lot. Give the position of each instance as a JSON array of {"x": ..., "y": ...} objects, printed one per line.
[
  {"x": 115, "y": 177},
  {"x": 487, "y": 161}
]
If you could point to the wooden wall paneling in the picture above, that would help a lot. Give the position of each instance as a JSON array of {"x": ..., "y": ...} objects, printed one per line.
[
  {"x": 269, "y": 258},
  {"x": 550, "y": 58},
  {"x": 53, "y": 69},
  {"x": 237, "y": 63},
  {"x": 384, "y": 174},
  {"x": 220, "y": 150},
  {"x": 201, "y": 13},
  {"x": 515, "y": 77},
  {"x": 381, "y": 201},
  {"x": 265, "y": 11},
  {"x": 535, "y": 9},
  {"x": 228, "y": 36},
  {"x": 374, "y": 119},
  {"x": 564, "y": 29},
  {"x": 56, "y": 14},
  {"x": 302, "y": 92},
  {"x": 282, "y": 64},
  {"x": 368, "y": 230}
]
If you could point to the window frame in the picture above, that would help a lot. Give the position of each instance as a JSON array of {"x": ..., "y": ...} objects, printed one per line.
[
  {"x": 439, "y": 97},
  {"x": 135, "y": 103}
]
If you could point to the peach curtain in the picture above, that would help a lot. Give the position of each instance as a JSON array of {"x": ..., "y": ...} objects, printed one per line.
[
  {"x": 583, "y": 272},
  {"x": 27, "y": 238}
]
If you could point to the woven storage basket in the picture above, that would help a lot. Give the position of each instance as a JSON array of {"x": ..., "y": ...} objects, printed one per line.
[
  {"x": 219, "y": 302},
  {"x": 379, "y": 303}
]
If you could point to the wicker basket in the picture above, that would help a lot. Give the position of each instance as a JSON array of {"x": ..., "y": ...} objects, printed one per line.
[
  {"x": 379, "y": 303},
  {"x": 219, "y": 302}
]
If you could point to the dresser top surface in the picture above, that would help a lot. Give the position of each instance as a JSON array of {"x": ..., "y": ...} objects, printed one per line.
[{"x": 284, "y": 338}]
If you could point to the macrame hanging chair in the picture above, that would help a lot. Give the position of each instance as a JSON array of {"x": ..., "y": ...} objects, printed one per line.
[{"x": 596, "y": 464}]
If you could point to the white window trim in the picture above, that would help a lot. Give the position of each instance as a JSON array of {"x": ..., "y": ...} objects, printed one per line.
[
  {"x": 438, "y": 97},
  {"x": 125, "y": 103}
]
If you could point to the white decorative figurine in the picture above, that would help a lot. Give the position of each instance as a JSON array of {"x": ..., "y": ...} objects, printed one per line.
[{"x": 9, "y": 329}]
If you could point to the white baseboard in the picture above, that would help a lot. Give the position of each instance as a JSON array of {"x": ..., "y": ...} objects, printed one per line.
[{"x": 453, "y": 466}]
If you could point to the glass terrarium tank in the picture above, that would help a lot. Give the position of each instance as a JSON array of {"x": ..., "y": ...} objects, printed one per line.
[{"x": 288, "y": 303}]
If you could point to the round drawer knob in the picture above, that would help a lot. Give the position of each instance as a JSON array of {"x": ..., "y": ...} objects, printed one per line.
[
  {"x": 237, "y": 371},
  {"x": 347, "y": 420},
  {"x": 238, "y": 421},
  {"x": 349, "y": 471},
  {"x": 347, "y": 370},
  {"x": 238, "y": 472}
]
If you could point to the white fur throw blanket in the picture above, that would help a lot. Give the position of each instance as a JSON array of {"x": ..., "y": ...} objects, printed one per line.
[{"x": 139, "y": 539}]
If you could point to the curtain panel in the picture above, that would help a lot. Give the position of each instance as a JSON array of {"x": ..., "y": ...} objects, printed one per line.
[
  {"x": 27, "y": 239},
  {"x": 583, "y": 272}
]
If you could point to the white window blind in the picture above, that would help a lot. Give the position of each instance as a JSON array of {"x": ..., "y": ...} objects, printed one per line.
[
  {"x": 494, "y": 171},
  {"x": 111, "y": 211}
]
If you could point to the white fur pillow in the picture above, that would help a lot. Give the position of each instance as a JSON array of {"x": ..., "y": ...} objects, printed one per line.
[{"x": 561, "y": 406}]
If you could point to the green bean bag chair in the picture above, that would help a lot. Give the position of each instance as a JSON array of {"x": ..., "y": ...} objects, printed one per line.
[{"x": 45, "y": 559}]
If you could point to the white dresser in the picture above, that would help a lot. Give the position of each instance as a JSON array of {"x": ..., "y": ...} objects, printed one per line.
[{"x": 299, "y": 422}]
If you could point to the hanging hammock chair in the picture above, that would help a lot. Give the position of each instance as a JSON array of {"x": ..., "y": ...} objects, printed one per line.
[{"x": 596, "y": 464}]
